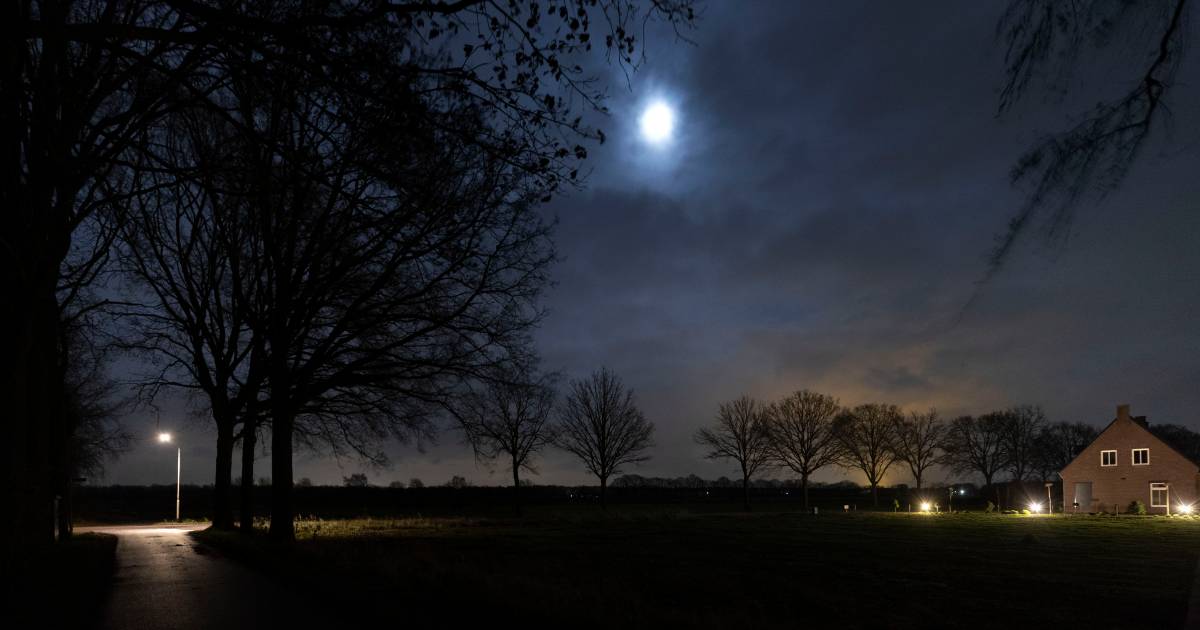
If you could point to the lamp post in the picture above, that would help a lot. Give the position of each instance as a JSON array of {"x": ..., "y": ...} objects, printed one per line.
[
  {"x": 1050, "y": 498},
  {"x": 165, "y": 438}
]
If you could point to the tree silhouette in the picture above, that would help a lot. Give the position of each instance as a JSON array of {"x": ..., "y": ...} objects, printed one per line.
[
  {"x": 182, "y": 249},
  {"x": 86, "y": 83},
  {"x": 867, "y": 436},
  {"x": 976, "y": 445},
  {"x": 802, "y": 434},
  {"x": 600, "y": 424},
  {"x": 918, "y": 442},
  {"x": 741, "y": 434},
  {"x": 92, "y": 404},
  {"x": 1058, "y": 444},
  {"x": 1178, "y": 437},
  {"x": 509, "y": 415},
  {"x": 356, "y": 480},
  {"x": 1022, "y": 425},
  {"x": 1044, "y": 40}
]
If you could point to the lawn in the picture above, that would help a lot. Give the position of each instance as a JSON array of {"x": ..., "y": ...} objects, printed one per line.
[{"x": 736, "y": 570}]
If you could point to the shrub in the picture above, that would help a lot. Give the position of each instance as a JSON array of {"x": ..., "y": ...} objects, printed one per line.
[{"x": 1136, "y": 507}]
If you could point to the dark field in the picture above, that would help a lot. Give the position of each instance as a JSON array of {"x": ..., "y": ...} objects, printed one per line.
[{"x": 674, "y": 568}]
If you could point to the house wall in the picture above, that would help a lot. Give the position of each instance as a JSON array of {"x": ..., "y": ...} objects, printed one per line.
[{"x": 1117, "y": 486}]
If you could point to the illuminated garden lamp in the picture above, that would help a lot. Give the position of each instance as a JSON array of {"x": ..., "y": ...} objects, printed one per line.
[
  {"x": 926, "y": 506},
  {"x": 1184, "y": 508},
  {"x": 1035, "y": 507}
]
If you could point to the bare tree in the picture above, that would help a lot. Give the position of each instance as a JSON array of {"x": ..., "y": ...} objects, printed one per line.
[
  {"x": 84, "y": 83},
  {"x": 1178, "y": 437},
  {"x": 976, "y": 445},
  {"x": 510, "y": 416},
  {"x": 599, "y": 423},
  {"x": 919, "y": 438},
  {"x": 1058, "y": 444},
  {"x": 92, "y": 405},
  {"x": 1022, "y": 424},
  {"x": 741, "y": 434},
  {"x": 1044, "y": 40},
  {"x": 802, "y": 434},
  {"x": 191, "y": 313},
  {"x": 867, "y": 436}
]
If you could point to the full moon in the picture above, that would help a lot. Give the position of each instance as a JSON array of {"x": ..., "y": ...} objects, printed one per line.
[{"x": 658, "y": 123}]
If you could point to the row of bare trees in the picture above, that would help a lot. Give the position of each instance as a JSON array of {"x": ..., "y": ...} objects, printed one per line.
[
  {"x": 515, "y": 416},
  {"x": 806, "y": 431},
  {"x": 316, "y": 218}
]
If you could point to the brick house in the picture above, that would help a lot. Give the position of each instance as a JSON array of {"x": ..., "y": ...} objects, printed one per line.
[{"x": 1127, "y": 463}]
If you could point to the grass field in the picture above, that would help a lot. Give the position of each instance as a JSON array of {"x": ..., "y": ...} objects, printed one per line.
[{"x": 651, "y": 568}]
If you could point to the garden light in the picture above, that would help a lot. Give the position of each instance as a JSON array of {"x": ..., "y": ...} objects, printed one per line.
[
  {"x": 1035, "y": 507},
  {"x": 1184, "y": 508},
  {"x": 925, "y": 506}
]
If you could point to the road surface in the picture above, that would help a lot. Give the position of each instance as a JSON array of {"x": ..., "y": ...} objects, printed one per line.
[{"x": 167, "y": 580}]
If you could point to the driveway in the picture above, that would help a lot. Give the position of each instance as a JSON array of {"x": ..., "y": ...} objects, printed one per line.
[{"x": 165, "y": 579}]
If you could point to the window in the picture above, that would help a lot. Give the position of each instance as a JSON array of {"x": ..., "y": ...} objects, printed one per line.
[
  {"x": 1158, "y": 494},
  {"x": 1141, "y": 456},
  {"x": 1108, "y": 458}
]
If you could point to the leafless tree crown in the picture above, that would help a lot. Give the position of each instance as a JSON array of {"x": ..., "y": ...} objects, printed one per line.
[
  {"x": 741, "y": 434},
  {"x": 600, "y": 424}
]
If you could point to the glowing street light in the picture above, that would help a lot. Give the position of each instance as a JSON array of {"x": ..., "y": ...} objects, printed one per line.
[{"x": 165, "y": 438}]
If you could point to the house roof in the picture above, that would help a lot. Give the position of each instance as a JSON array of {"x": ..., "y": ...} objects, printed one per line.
[{"x": 1139, "y": 422}]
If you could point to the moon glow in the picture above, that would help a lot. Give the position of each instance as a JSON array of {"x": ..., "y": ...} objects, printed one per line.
[{"x": 658, "y": 123}]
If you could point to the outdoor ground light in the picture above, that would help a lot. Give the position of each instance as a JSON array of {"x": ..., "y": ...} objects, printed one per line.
[
  {"x": 1035, "y": 507},
  {"x": 1184, "y": 508},
  {"x": 926, "y": 506}
]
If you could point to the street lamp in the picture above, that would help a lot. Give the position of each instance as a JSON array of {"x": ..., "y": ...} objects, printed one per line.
[{"x": 165, "y": 438}]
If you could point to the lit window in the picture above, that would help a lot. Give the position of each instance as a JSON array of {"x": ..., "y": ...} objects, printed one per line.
[
  {"x": 1158, "y": 494},
  {"x": 1141, "y": 456},
  {"x": 1108, "y": 458}
]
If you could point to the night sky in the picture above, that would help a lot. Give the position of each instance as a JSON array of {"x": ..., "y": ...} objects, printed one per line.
[{"x": 820, "y": 219}]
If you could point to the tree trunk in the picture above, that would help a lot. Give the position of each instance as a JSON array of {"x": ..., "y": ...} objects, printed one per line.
[
  {"x": 875, "y": 494},
  {"x": 222, "y": 485},
  {"x": 745, "y": 492},
  {"x": 282, "y": 526},
  {"x": 918, "y": 475},
  {"x": 804, "y": 489},
  {"x": 246, "y": 510},
  {"x": 516, "y": 487},
  {"x": 604, "y": 492}
]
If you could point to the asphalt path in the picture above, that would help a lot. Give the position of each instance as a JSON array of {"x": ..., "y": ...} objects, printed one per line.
[{"x": 165, "y": 579}]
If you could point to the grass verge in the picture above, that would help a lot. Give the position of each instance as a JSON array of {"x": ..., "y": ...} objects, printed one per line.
[{"x": 735, "y": 570}]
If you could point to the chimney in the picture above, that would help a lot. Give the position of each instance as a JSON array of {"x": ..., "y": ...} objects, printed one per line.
[
  {"x": 1123, "y": 412},
  {"x": 1142, "y": 421}
]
